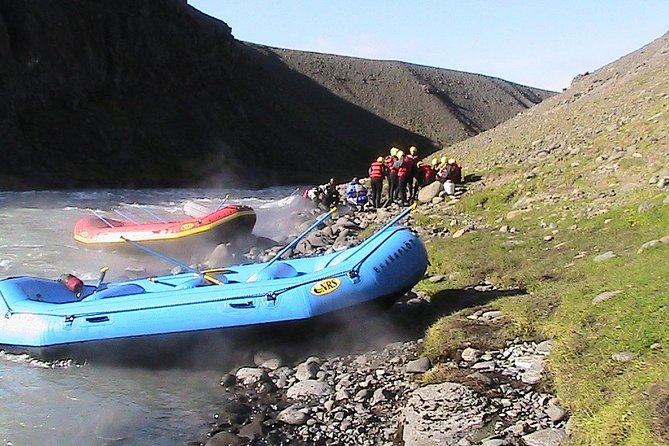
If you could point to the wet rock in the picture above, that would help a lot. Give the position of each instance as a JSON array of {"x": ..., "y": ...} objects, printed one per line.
[
  {"x": 250, "y": 375},
  {"x": 307, "y": 370},
  {"x": 293, "y": 415},
  {"x": 267, "y": 360},
  {"x": 224, "y": 439}
]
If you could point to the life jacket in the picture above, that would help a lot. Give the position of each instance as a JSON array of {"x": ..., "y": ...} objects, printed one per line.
[
  {"x": 376, "y": 170},
  {"x": 407, "y": 165},
  {"x": 72, "y": 283},
  {"x": 413, "y": 159},
  {"x": 428, "y": 173},
  {"x": 390, "y": 163}
]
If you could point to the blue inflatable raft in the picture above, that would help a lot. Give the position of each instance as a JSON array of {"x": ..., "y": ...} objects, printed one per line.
[{"x": 44, "y": 318}]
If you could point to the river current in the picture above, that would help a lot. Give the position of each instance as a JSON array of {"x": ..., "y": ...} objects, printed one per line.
[{"x": 64, "y": 403}]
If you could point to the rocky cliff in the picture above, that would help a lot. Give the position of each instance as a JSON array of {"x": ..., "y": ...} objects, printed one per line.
[{"x": 154, "y": 93}]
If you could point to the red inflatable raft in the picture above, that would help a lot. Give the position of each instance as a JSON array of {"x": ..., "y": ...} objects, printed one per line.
[{"x": 216, "y": 226}]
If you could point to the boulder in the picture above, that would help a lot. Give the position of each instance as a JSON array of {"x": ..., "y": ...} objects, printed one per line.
[{"x": 427, "y": 193}]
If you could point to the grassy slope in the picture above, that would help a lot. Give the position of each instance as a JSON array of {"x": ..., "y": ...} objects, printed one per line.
[{"x": 575, "y": 177}]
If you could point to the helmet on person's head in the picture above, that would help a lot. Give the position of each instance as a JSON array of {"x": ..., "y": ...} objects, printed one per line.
[
  {"x": 451, "y": 161},
  {"x": 413, "y": 150},
  {"x": 443, "y": 160},
  {"x": 419, "y": 163},
  {"x": 434, "y": 161},
  {"x": 379, "y": 159},
  {"x": 400, "y": 154},
  {"x": 394, "y": 150}
]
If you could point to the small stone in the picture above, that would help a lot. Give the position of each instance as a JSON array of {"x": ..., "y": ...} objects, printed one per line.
[
  {"x": 546, "y": 437},
  {"x": 556, "y": 413},
  {"x": 420, "y": 365},
  {"x": 491, "y": 315},
  {"x": 545, "y": 347},
  {"x": 293, "y": 415},
  {"x": 606, "y": 295},
  {"x": 623, "y": 356},
  {"x": 470, "y": 354},
  {"x": 604, "y": 257},
  {"x": 459, "y": 233},
  {"x": 548, "y": 238},
  {"x": 436, "y": 278},
  {"x": 656, "y": 346}
]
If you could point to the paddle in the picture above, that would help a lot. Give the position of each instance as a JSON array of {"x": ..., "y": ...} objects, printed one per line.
[
  {"x": 223, "y": 201},
  {"x": 103, "y": 271},
  {"x": 285, "y": 249},
  {"x": 190, "y": 269}
]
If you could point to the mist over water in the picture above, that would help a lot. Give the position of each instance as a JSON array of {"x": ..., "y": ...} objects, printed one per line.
[{"x": 95, "y": 404}]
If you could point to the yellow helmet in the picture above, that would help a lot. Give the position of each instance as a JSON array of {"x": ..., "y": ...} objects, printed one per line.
[
  {"x": 451, "y": 161},
  {"x": 379, "y": 159},
  {"x": 400, "y": 154},
  {"x": 443, "y": 160},
  {"x": 413, "y": 150},
  {"x": 394, "y": 150},
  {"x": 434, "y": 161}
]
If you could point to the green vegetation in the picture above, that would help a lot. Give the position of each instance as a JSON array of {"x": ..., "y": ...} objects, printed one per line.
[{"x": 544, "y": 256}]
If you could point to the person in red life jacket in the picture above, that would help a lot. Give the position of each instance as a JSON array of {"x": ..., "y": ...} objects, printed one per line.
[
  {"x": 424, "y": 175},
  {"x": 402, "y": 178},
  {"x": 452, "y": 171},
  {"x": 391, "y": 164},
  {"x": 412, "y": 183},
  {"x": 377, "y": 171}
]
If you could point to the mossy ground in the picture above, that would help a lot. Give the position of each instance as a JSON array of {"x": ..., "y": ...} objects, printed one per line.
[{"x": 545, "y": 260}]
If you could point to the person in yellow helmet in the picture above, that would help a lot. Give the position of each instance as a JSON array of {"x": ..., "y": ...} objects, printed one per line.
[
  {"x": 377, "y": 171},
  {"x": 412, "y": 178},
  {"x": 392, "y": 164}
]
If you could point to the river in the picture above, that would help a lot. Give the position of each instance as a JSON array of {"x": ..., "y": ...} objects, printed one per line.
[{"x": 65, "y": 403}]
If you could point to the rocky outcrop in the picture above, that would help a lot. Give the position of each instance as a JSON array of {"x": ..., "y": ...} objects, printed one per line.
[{"x": 154, "y": 93}]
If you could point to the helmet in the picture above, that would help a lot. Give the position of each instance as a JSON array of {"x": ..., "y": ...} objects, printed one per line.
[
  {"x": 379, "y": 159},
  {"x": 443, "y": 159},
  {"x": 451, "y": 161},
  {"x": 394, "y": 150},
  {"x": 400, "y": 154},
  {"x": 434, "y": 161},
  {"x": 413, "y": 150},
  {"x": 419, "y": 163}
]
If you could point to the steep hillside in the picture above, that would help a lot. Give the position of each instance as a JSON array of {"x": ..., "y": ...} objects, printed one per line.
[
  {"x": 568, "y": 204},
  {"x": 155, "y": 93},
  {"x": 444, "y": 105},
  {"x": 608, "y": 132}
]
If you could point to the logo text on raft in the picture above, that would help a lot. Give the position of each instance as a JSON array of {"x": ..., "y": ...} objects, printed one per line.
[
  {"x": 404, "y": 248},
  {"x": 325, "y": 286}
]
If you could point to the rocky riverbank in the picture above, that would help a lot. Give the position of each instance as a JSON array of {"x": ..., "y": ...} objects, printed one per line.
[{"x": 368, "y": 395}]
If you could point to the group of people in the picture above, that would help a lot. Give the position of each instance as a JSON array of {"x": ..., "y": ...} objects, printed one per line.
[{"x": 405, "y": 175}]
